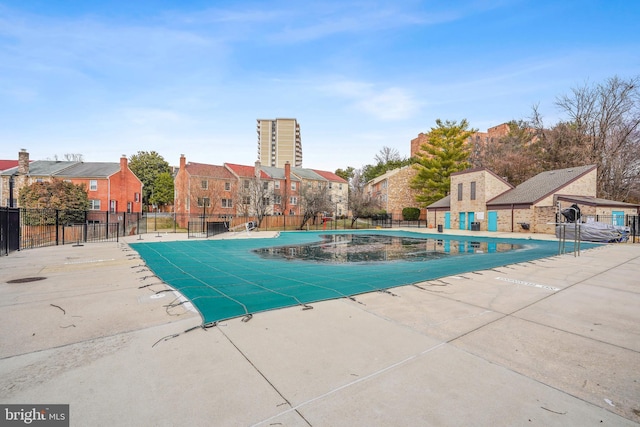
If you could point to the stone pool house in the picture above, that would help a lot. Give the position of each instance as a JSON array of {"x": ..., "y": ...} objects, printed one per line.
[{"x": 481, "y": 200}]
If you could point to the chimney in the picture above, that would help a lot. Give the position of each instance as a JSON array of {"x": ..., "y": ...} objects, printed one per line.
[
  {"x": 287, "y": 187},
  {"x": 23, "y": 162},
  {"x": 123, "y": 163},
  {"x": 183, "y": 161},
  {"x": 256, "y": 169}
]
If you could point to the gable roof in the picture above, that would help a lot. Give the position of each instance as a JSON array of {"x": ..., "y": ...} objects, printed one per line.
[
  {"x": 540, "y": 186},
  {"x": 277, "y": 173},
  {"x": 386, "y": 175},
  {"x": 205, "y": 170},
  {"x": 245, "y": 171},
  {"x": 482, "y": 169},
  {"x": 307, "y": 174},
  {"x": 86, "y": 170},
  {"x": 596, "y": 201},
  {"x": 8, "y": 164},
  {"x": 330, "y": 176},
  {"x": 43, "y": 168},
  {"x": 445, "y": 202}
]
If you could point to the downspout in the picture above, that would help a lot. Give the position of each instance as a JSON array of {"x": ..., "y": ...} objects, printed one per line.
[{"x": 512, "y": 219}]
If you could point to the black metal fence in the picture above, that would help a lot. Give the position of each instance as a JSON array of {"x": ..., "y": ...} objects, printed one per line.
[
  {"x": 23, "y": 228},
  {"x": 9, "y": 230}
]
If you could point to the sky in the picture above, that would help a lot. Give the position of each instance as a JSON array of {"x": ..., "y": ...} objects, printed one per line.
[{"x": 191, "y": 77}]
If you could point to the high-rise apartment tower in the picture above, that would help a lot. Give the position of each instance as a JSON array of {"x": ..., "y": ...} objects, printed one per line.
[{"x": 279, "y": 142}]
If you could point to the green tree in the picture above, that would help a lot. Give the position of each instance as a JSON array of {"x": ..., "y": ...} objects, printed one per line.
[
  {"x": 147, "y": 165},
  {"x": 163, "y": 190},
  {"x": 69, "y": 199},
  {"x": 447, "y": 151},
  {"x": 345, "y": 174}
]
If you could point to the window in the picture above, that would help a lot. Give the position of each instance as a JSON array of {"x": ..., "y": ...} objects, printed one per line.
[
  {"x": 204, "y": 202},
  {"x": 246, "y": 184},
  {"x": 204, "y": 184},
  {"x": 265, "y": 185},
  {"x": 277, "y": 185},
  {"x": 227, "y": 203},
  {"x": 293, "y": 186},
  {"x": 94, "y": 205},
  {"x": 113, "y": 206},
  {"x": 473, "y": 190},
  {"x": 293, "y": 200},
  {"x": 459, "y": 191},
  {"x": 129, "y": 207},
  {"x": 331, "y": 185},
  {"x": 136, "y": 197},
  {"x": 277, "y": 200},
  {"x": 227, "y": 186},
  {"x": 93, "y": 184},
  {"x": 246, "y": 200}
]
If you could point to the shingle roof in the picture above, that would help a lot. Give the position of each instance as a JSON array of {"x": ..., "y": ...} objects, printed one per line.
[
  {"x": 277, "y": 173},
  {"x": 540, "y": 186},
  {"x": 245, "y": 171},
  {"x": 213, "y": 171},
  {"x": 596, "y": 201},
  {"x": 43, "y": 167},
  {"x": 8, "y": 164},
  {"x": 307, "y": 174},
  {"x": 86, "y": 170},
  {"x": 330, "y": 176},
  {"x": 445, "y": 202}
]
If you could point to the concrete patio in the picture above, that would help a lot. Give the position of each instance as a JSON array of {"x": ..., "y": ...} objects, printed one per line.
[{"x": 495, "y": 347}]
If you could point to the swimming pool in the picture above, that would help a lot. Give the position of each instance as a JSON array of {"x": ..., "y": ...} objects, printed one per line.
[{"x": 236, "y": 277}]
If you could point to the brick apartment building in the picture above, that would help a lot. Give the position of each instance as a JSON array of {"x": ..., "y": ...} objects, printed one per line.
[{"x": 110, "y": 187}]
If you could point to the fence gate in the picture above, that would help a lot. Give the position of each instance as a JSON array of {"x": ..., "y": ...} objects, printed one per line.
[{"x": 9, "y": 230}]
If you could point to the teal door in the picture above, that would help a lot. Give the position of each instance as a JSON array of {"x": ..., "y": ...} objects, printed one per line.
[
  {"x": 462, "y": 220},
  {"x": 470, "y": 218},
  {"x": 493, "y": 221},
  {"x": 617, "y": 218},
  {"x": 447, "y": 220}
]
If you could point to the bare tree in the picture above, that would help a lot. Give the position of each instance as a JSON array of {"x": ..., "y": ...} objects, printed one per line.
[
  {"x": 254, "y": 198},
  {"x": 314, "y": 199},
  {"x": 604, "y": 128},
  {"x": 387, "y": 154},
  {"x": 360, "y": 203}
]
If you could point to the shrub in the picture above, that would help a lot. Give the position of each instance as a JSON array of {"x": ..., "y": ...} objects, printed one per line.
[{"x": 411, "y": 214}]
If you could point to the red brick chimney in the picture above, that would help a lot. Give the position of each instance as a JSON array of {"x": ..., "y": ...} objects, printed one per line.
[
  {"x": 23, "y": 162},
  {"x": 183, "y": 161},
  {"x": 123, "y": 163}
]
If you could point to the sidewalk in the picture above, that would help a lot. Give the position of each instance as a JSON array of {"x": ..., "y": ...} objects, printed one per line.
[{"x": 554, "y": 342}]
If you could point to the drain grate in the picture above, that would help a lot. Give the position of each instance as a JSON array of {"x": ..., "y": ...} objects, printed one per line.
[{"x": 26, "y": 280}]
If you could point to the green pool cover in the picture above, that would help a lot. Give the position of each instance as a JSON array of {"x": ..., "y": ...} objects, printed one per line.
[{"x": 230, "y": 278}]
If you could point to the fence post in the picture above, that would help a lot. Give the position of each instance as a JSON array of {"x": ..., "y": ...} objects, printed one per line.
[{"x": 58, "y": 229}]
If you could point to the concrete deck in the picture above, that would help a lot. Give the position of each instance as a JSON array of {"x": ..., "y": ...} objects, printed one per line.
[{"x": 484, "y": 348}]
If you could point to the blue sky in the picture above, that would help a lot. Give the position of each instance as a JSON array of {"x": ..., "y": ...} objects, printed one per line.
[{"x": 191, "y": 77}]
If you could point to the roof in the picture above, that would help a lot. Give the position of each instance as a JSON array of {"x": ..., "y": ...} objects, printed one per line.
[
  {"x": 85, "y": 170},
  {"x": 596, "y": 201},
  {"x": 277, "y": 173},
  {"x": 330, "y": 176},
  {"x": 43, "y": 168},
  {"x": 307, "y": 174},
  {"x": 445, "y": 202},
  {"x": 482, "y": 169},
  {"x": 213, "y": 171},
  {"x": 8, "y": 164},
  {"x": 540, "y": 186},
  {"x": 386, "y": 175},
  {"x": 245, "y": 171}
]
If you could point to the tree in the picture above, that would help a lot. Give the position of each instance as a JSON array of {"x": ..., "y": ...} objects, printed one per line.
[
  {"x": 147, "y": 165},
  {"x": 314, "y": 200},
  {"x": 604, "y": 129},
  {"x": 345, "y": 174},
  {"x": 162, "y": 190},
  {"x": 70, "y": 199},
  {"x": 447, "y": 151},
  {"x": 514, "y": 156},
  {"x": 254, "y": 197},
  {"x": 361, "y": 204},
  {"x": 387, "y": 159}
]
